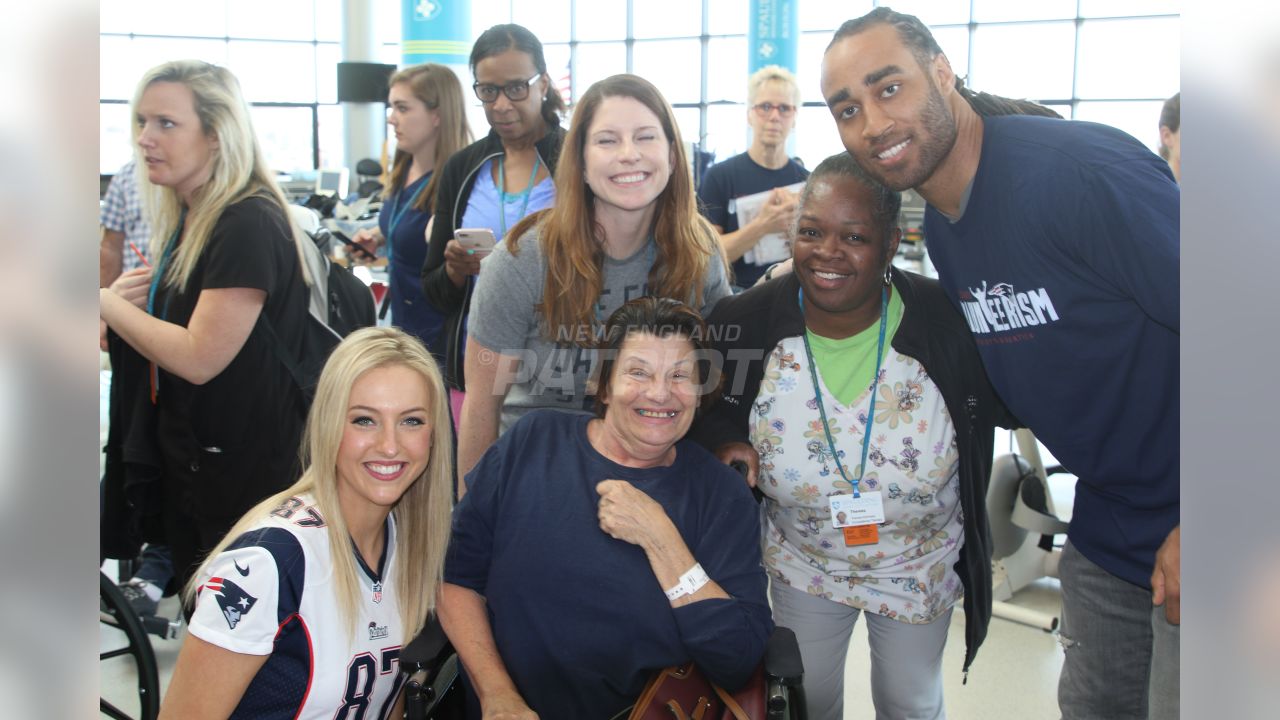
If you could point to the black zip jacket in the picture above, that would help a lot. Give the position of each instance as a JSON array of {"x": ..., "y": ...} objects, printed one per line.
[
  {"x": 453, "y": 191},
  {"x": 933, "y": 332}
]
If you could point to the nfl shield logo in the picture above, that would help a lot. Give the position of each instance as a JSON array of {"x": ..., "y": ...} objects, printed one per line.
[{"x": 377, "y": 592}]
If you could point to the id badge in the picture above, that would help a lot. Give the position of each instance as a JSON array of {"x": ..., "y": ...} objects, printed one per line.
[
  {"x": 850, "y": 511},
  {"x": 862, "y": 535}
]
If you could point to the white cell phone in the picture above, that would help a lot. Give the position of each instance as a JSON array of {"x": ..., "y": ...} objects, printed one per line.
[{"x": 479, "y": 239}]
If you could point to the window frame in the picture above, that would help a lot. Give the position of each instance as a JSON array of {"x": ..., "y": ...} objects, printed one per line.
[{"x": 704, "y": 41}]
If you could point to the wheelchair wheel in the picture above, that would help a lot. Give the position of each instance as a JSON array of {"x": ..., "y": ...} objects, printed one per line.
[{"x": 122, "y": 631}]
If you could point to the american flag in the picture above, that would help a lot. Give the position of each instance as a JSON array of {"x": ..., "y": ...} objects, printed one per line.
[{"x": 564, "y": 83}]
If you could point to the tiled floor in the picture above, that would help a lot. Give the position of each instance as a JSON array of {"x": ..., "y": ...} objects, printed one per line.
[{"x": 1014, "y": 677}]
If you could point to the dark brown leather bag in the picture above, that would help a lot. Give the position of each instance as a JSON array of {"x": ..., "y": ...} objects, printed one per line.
[{"x": 682, "y": 692}]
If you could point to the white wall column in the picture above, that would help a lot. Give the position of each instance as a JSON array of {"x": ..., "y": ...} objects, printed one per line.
[{"x": 363, "y": 130}]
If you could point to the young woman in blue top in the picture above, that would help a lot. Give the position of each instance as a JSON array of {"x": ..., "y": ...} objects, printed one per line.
[{"x": 425, "y": 109}]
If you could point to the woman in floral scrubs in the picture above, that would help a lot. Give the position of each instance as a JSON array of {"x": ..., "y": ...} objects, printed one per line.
[{"x": 888, "y": 520}]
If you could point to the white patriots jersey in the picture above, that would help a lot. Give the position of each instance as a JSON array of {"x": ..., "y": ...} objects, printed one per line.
[{"x": 270, "y": 593}]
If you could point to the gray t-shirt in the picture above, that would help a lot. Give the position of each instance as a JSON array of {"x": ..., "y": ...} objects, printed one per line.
[{"x": 554, "y": 374}]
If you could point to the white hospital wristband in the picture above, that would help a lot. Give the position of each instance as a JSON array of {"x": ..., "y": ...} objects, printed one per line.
[{"x": 689, "y": 583}]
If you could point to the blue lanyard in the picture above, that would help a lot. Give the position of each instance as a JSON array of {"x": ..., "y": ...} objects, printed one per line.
[
  {"x": 398, "y": 210},
  {"x": 871, "y": 409},
  {"x": 162, "y": 267},
  {"x": 502, "y": 193}
]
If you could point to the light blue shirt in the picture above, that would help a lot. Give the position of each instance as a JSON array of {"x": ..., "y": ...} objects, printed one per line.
[{"x": 484, "y": 211}]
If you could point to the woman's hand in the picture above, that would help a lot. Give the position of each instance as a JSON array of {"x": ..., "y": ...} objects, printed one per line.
[
  {"x": 779, "y": 213},
  {"x": 744, "y": 453},
  {"x": 632, "y": 516},
  {"x": 508, "y": 706},
  {"x": 219, "y": 326},
  {"x": 370, "y": 239},
  {"x": 133, "y": 286},
  {"x": 459, "y": 262},
  {"x": 465, "y": 620}
]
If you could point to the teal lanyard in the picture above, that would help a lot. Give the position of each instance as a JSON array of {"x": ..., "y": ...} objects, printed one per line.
[
  {"x": 871, "y": 409},
  {"x": 161, "y": 267},
  {"x": 502, "y": 193},
  {"x": 398, "y": 210}
]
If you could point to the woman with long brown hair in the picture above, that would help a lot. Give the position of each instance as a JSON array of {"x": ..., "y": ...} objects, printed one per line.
[
  {"x": 426, "y": 111},
  {"x": 625, "y": 224}
]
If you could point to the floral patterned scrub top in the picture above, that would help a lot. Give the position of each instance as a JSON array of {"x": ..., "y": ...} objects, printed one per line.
[{"x": 913, "y": 461}]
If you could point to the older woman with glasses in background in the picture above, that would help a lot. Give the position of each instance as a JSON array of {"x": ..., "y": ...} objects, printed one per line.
[{"x": 774, "y": 99}]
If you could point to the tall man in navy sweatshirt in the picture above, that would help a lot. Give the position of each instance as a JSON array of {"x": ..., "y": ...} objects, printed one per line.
[{"x": 1058, "y": 241}]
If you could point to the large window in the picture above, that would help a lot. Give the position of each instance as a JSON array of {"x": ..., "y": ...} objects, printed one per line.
[
  {"x": 284, "y": 52},
  {"x": 1111, "y": 61}
]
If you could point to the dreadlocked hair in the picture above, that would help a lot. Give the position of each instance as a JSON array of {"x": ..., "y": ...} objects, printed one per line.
[
  {"x": 988, "y": 105},
  {"x": 916, "y": 36}
]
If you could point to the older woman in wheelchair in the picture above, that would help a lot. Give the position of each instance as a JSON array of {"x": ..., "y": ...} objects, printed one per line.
[{"x": 590, "y": 552}]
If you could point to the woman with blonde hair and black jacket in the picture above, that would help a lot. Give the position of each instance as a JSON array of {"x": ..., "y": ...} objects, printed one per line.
[{"x": 211, "y": 414}]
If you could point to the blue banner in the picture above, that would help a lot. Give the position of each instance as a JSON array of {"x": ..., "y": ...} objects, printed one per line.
[
  {"x": 435, "y": 31},
  {"x": 773, "y": 36}
]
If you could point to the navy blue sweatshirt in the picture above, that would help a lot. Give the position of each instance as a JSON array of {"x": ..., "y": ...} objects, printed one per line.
[{"x": 1065, "y": 265}]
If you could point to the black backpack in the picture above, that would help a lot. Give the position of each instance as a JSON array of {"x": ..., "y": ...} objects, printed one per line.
[{"x": 339, "y": 304}]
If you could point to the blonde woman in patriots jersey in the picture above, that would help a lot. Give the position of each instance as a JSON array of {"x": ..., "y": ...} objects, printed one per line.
[{"x": 301, "y": 610}]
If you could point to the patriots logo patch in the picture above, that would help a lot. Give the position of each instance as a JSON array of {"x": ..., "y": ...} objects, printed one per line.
[
  {"x": 234, "y": 601},
  {"x": 1003, "y": 289}
]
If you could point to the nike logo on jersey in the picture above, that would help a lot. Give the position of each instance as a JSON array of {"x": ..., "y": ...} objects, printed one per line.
[
  {"x": 242, "y": 571},
  {"x": 232, "y": 599}
]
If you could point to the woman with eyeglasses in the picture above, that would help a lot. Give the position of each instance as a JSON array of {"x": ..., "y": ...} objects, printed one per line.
[
  {"x": 774, "y": 98},
  {"x": 494, "y": 182}
]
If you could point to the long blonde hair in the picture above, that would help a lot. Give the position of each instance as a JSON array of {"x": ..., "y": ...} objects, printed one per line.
[
  {"x": 438, "y": 88},
  {"x": 239, "y": 167},
  {"x": 571, "y": 239},
  {"x": 422, "y": 513}
]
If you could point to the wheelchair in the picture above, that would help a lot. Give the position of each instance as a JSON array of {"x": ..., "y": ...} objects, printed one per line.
[
  {"x": 124, "y": 639},
  {"x": 128, "y": 637},
  {"x": 433, "y": 691}
]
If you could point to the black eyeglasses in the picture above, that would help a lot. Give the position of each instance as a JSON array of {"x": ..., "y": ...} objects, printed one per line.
[
  {"x": 516, "y": 91},
  {"x": 765, "y": 108}
]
